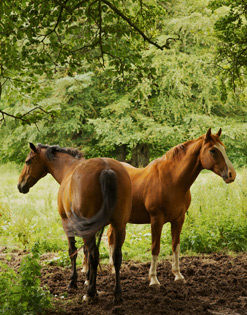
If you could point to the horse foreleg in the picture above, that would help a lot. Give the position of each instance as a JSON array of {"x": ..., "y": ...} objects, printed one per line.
[
  {"x": 156, "y": 229},
  {"x": 176, "y": 227},
  {"x": 110, "y": 236},
  {"x": 73, "y": 255}
]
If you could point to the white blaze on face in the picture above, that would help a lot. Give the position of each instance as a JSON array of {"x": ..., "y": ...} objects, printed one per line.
[{"x": 221, "y": 148}]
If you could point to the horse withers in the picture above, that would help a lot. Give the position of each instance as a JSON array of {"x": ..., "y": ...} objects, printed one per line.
[
  {"x": 92, "y": 194},
  {"x": 161, "y": 191}
]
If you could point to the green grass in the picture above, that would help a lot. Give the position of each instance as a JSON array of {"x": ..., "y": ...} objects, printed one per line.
[
  {"x": 216, "y": 221},
  {"x": 26, "y": 219}
]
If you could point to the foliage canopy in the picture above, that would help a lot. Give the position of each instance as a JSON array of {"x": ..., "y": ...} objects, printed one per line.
[
  {"x": 231, "y": 30},
  {"x": 121, "y": 97}
]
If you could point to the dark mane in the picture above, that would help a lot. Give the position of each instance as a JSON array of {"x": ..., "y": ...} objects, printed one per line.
[{"x": 51, "y": 151}]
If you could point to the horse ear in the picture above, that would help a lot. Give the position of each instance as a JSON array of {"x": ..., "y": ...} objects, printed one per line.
[
  {"x": 219, "y": 132},
  {"x": 32, "y": 147},
  {"x": 208, "y": 134}
]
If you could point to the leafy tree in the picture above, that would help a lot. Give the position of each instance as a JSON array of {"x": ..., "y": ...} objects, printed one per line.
[
  {"x": 231, "y": 30},
  {"x": 160, "y": 100},
  {"x": 170, "y": 97},
  {"x": 40, "y": 38}
]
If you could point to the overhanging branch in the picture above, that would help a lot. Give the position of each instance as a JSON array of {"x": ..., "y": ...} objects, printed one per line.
[
  {"x": 23, "y": 117},
  {"x": 124, "y": 17}
]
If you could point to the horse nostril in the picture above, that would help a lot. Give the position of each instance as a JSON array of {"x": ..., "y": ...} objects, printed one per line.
[{"x": 230, "y": 174}]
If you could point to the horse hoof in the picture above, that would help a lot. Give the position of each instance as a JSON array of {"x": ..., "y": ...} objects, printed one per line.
[
  {"x": 100, "y": 293},
  {"x": 118, "y": 300},
  {"x": 86, "y": 283},
  {"x": 90, "y": 300},
  {"x": 182, "y": 281},
  {"x": 72, "y": 285},
  {"x": 154, "y": 282},
  {"x": 154, "y": 285}
]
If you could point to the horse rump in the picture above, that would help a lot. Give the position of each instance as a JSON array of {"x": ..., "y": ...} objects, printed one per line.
[{"x": 87, "y": 228}]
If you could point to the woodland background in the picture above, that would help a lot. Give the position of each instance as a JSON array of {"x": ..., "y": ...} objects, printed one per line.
[{"x": 125, "y": 79}]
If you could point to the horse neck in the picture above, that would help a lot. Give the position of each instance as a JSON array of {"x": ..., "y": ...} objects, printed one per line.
[
  {"x": 59, "y": 166},
  {"x": 185, "y": 166}
]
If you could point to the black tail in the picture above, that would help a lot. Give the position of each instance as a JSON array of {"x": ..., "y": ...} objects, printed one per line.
[{"x": 88, "y": 227}]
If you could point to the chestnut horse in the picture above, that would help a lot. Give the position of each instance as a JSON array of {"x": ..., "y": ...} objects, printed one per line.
[
  {"x": 92, "y": 194},
  {"x": 161, "y": 191}
]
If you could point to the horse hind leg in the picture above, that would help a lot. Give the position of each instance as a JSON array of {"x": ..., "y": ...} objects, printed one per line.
[
  {"x": 85, "y": 263},
  {"x": 119, "y": 236},
  {"x": 111, "y": 242},
  {"x": 73, "y": 256},
  {"x": 93, "y": 261},
  {"x": 84, "y": 260},
  {"x": 176, "y": 227}
]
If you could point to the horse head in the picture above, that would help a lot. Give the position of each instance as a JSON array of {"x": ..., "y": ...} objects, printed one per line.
[
  {"x": 213, "y": 157},
  {"x": 33, "y": 170}
]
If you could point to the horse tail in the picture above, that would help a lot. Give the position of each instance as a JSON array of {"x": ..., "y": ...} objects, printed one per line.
[{"x": 87, "y": 228}]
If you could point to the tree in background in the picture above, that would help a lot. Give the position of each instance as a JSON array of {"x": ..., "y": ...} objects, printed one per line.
[
  {"x": 38, "y": 39},
  {"x": 231, "y": 30},
  {"x": 143, "y": 100}
]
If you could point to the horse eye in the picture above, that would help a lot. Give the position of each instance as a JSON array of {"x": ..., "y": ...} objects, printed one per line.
[
  {"x": 28, "y": 162},
  {"x": 212, "y": 151}
]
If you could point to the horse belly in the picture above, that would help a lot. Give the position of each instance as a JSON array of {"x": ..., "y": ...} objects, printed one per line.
[{"x": 139, "y": 214}]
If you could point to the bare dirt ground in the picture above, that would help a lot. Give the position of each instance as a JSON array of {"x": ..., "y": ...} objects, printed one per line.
[{"x": 216, "y": 284}]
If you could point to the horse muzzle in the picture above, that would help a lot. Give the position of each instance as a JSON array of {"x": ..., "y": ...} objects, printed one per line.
[
  {"x": 230, "y": 176},
  {"x": 23, "y": 188}
]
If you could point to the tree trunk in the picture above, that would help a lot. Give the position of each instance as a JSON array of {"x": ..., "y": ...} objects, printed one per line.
[
  {"x": 121, "y": 153},
  {"x": 140, "y": 155}
]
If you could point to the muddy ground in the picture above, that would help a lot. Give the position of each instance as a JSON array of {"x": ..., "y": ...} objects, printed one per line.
[{"x": 216, "y": 284}]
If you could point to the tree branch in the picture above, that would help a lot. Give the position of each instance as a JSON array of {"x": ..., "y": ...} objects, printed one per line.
[
  {"x": 77, "y": 6},
  {"x": 64, "y": 6},
  {"x": 124, "y": 17},
  {"x": 22, "y": 117},
  {"x": 100, "y": 33}
]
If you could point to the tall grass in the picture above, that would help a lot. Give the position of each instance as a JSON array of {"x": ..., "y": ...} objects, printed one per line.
[
  {"x": 26, "y": 219},
  {"x": 216, "y": 220}
]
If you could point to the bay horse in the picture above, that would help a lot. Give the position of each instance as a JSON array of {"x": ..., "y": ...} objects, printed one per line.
[
  {"x": 161, "y": 191},
  {"x": 92, "y": 194}
]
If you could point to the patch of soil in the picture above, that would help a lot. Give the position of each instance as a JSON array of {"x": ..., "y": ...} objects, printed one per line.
[{"x": 216, "y": 284}]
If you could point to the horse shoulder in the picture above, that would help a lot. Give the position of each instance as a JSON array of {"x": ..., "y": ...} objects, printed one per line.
[
  {"x": 63, "y": 201},
  {"x": 151, "y": 188}
]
